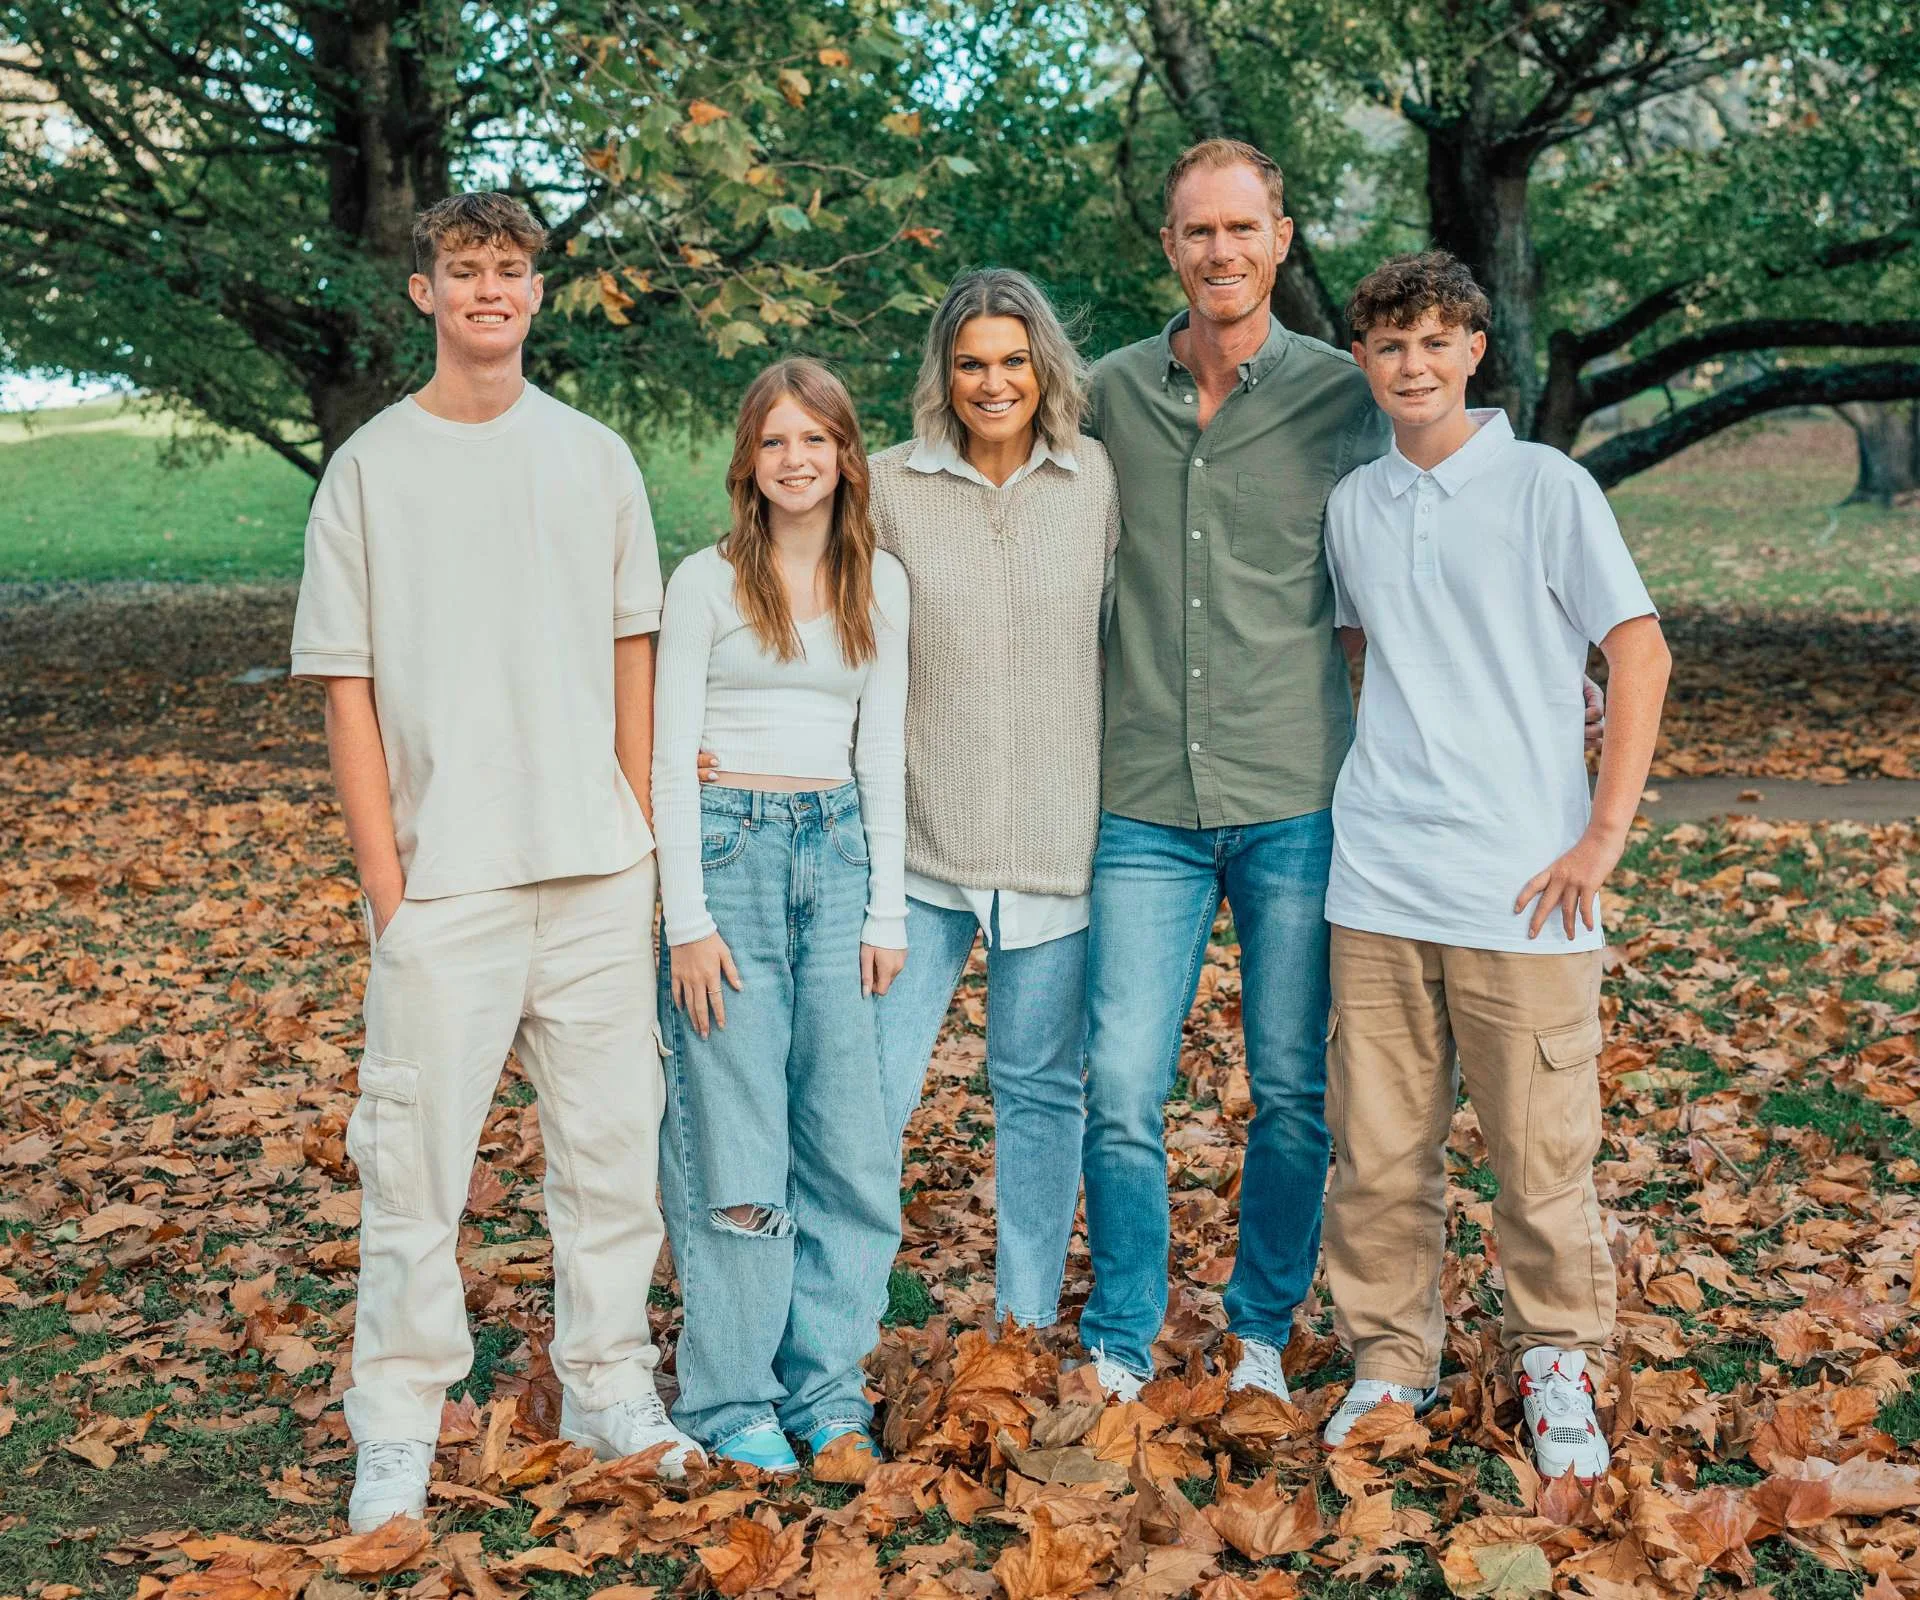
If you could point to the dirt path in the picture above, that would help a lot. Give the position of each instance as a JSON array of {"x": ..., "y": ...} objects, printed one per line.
[{"x": 1782, "y": 800}]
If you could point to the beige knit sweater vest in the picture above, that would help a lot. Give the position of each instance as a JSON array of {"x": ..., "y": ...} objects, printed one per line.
[{"x": 1003, "y": 678}]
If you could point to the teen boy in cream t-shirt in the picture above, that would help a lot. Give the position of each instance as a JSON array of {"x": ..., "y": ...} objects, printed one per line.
[
  {"x": 1468, "y": 861},
  {"x": 480, "y": 597}
]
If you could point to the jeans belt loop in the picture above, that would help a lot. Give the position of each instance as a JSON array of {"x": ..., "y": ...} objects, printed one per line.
[{"x": 753, "y": 815}]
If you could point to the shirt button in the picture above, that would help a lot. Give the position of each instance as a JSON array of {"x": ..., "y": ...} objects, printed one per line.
[
  {"x": 1188, "y": 398},
  {"x": 1196, "y": 672},
  {"x": 1196, "y": 533},
  {"x": 1195, "y": 602},
  {"x": 1198, "y": 462},
  {"x": 1193, "y": 747}
]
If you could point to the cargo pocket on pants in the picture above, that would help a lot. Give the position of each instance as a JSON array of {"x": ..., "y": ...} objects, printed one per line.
[
  {"x": 384, "y": 1135},
  {"x": 1563, "y": 1106}
]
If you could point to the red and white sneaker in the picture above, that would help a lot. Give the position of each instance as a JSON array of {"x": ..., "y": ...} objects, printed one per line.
[{"x": 1557, "y": 1396}]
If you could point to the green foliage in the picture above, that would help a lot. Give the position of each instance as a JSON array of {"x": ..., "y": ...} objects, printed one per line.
[{"x": 205, "y": 199}]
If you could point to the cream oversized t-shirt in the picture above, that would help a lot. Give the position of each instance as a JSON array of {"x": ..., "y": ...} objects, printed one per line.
[{"x": 479, "y": 573}]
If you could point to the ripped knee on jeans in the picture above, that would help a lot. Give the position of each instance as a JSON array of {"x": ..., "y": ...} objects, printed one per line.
[{"x": 753, "y": 1221}]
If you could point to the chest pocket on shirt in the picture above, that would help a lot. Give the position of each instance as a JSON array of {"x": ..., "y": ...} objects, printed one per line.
[{"x": 1276, "y": 526}]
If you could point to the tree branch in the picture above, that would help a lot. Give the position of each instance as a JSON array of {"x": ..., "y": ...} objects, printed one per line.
[
  {"x": 1147, "y": 223},
  {"x": 1636, "y": 319},
  {"x": 1777, "y": 333},
  {"x": 1625, "y": 454}
]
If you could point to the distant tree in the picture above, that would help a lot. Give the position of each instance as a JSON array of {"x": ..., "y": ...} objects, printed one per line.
[
  {"x": 1888, "y": 440},
  {"x": 214, "y": 198}
]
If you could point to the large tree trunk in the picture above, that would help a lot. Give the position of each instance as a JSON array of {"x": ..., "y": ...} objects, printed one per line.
[
  {"x": 1561, "y": 408},
  {"x": 1477, "y": 205},
  {"x": 373, "y": 60},
  {"x": 1889, "y": 438}
]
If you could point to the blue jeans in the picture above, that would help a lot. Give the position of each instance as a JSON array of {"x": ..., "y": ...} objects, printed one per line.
[
  {"x": 1155, "y": 892},
  {"x": 781, "y": 1112},
  {"x": 1036, "y": 1039}
]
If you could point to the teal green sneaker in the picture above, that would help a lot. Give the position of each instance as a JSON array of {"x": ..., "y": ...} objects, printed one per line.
[
  {"x": 763, "y": 1446},
  {"x": 826, "y": 1433}
]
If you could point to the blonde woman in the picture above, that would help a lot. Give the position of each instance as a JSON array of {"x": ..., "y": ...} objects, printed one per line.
[
  {"x": 782, "y": 884},
  {"x": 1004, "y": 517}
]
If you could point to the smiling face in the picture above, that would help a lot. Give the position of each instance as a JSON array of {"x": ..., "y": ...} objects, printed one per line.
[
  {"x": 481, "y": 297},
  {"x": 1419, "y": 373},
  {"x": 992, "y": 384},
  {"x": 796, "y": 463},
  {"x": 1225, "y": 242}
]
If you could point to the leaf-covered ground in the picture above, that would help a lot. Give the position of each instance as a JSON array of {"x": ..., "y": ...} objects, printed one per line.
[{"x": 180, "y": 968}]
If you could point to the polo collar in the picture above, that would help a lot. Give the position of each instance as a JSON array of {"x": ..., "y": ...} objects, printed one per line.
[
  {"x": 1490, "y": 439},
  {"x": 1272, "y": 351},
  {"x": 936, "y": 455}
]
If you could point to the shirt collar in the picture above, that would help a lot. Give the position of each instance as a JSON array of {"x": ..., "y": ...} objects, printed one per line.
[
  {"x": 1270, "y": 354},
  {"x": 1492, "y": 435},
  {"x": 937, "y": 455}
]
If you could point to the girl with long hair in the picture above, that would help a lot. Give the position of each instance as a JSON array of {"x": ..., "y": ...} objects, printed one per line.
[{"x": 783, "y": 650}]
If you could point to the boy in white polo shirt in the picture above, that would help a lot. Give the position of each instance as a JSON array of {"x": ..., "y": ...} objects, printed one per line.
[
  {"x": 1476, "y": 570},
  {"x": 480, "y": 598}
]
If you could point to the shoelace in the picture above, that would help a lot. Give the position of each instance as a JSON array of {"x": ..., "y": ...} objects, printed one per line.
[
  {"x": 1262, "y": 1366},
  {"x": 648, "y": 1408},
  {"x": 1565, "y": 1400},
  {"x": 387, "y": 1456}
]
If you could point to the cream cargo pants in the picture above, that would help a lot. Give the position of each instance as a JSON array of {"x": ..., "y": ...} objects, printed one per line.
[
  {"x": 561, "y": 972},
  {"x": 1527, "y": 1028}
]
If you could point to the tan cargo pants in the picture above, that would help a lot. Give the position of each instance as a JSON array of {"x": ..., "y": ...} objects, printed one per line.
[
  {"x": 1527, "y": 1029},
  {"x": 563, "y": 973}
]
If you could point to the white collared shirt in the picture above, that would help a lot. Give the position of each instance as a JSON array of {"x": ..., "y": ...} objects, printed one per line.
[
  {"x": 1480, "y": 585},
  {"x": 1026, "y": 919}
]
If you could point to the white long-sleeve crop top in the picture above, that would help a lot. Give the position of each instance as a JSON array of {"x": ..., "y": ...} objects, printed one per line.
[{"x": 716, "y": 687}]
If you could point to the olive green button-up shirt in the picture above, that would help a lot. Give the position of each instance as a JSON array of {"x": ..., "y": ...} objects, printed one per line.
[{"x": 1227, "y": 701}]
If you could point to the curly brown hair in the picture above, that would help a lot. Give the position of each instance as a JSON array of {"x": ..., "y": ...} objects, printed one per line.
[
  {"x": 485, "y": 217},
  {"x": 1400, "y": 292}
]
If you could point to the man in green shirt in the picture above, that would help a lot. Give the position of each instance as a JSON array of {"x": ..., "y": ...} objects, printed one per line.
[{"x": 1227, "y": 717}]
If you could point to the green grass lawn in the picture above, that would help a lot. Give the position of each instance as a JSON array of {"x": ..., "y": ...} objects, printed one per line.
[
  {"x": 85, "y": 497},
  {"x": 1751, "y": 518}
]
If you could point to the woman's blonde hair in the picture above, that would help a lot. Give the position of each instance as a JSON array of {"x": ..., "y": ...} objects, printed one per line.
[
  {"x": 1057, "y": 366},
  {"x": 748, "y": 546}
]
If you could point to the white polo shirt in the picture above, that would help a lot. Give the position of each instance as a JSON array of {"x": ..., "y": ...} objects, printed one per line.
[{"x": 1480, "y": 585}]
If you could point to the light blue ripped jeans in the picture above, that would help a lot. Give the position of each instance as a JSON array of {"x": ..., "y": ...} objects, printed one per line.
[{"x": 780, "y": 1111}]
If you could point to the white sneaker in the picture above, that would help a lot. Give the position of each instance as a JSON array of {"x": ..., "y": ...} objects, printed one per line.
[
  {"x": 1259, "y": 1368},
  {"x": 1557, "y": 1396},
  {"x": 1116, "y": 1380},
  {"x": 626, "y": 1428},
  {"x": 1367, "y": 1393},
  {"x": 389, "y": 1480}
]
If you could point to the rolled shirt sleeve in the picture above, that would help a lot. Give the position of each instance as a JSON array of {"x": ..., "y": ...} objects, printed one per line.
[
  {"x": 1589, "y": 568},
  {"x": 332, "y": 623},
  {"x": 637, "y": 594}
]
